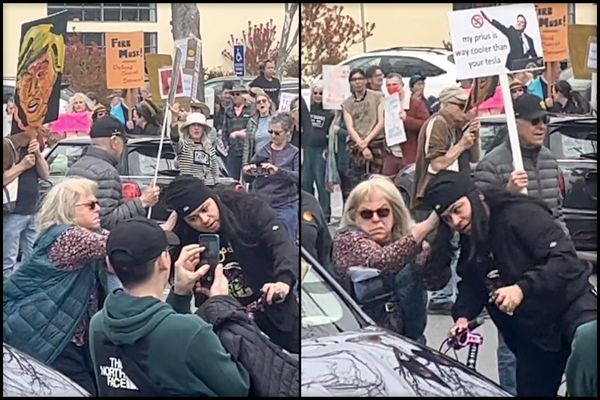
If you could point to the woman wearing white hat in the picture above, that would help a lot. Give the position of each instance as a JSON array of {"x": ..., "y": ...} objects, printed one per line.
[{"x": 196, "y": 154}]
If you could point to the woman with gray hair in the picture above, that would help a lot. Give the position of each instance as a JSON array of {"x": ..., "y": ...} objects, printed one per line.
[
  {"x": 50, "y": 299},
  {"x": 378, "y": 233},
  {"x": 275, "y": 173}
]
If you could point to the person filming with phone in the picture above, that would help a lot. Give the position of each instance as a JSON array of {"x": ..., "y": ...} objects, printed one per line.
[
  {"x": 260, "y": 262},
  {"x": 275, "y": 173}
]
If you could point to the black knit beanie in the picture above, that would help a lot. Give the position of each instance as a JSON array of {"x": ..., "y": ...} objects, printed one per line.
[
  {"x": 445, "y": 188},
  {"x": 186, "y": 193}
]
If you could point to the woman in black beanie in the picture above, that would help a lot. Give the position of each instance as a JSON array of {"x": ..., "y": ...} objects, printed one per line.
[
  {"x": 516, "y": 261},
  {"x": 256, "y": 252}
]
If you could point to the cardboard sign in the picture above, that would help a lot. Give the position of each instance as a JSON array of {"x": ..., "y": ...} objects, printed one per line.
[
  {"x": 579, "y": 35},
  {"x": 154, "y": 62},
  {"x": 552, "y": 19},
  {"x": 394, "y": 126},
  {"x": 591, "y": 59},
  {"x": 336, "y": 87},
  {"x": 124, "y": 60},
  {"x": 40, "y": 68},
  {"x": 164, "y": 82},
  {"x": 285, "y": 102},
  {"x": 496, "y": 40}
]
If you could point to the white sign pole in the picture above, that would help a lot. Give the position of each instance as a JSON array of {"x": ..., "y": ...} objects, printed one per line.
[
  {"x": 511, "y": 123},
  {"x": 594, "y": 91},
  {"x": 165, "y": 131}
]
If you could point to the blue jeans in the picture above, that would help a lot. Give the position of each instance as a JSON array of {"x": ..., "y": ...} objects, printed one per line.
[
  {"x": 412, "y": 296},
  {"x": 234, "y": 165},
  {"x": 448, "y": 292},
  {"x": 313, "y": 174},
  {"x": 288, "y": 216},
  {"x": 507, "y": 366},
  {"x": 18, "y": 231}
]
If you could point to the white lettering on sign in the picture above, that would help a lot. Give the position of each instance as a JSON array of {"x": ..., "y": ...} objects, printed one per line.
[{"x": 115, "y": 377}]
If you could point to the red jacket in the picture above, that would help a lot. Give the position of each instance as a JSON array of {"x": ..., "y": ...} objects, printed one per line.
[{"x": 416, "y": 116}]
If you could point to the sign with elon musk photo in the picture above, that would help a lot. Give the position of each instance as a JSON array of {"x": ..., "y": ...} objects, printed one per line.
[{"x": 496, "y": 40}]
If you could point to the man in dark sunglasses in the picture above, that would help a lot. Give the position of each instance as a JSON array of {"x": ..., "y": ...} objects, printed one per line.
[{"x": 540, "y": 176}]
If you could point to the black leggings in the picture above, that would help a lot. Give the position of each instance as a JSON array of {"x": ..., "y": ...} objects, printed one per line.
[
  {"x": 76, "y": 363},
  {"x": 539, "y": 372}
]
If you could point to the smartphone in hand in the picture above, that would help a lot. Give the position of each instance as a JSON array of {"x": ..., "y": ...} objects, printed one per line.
[{"x": 212, "y": 244}]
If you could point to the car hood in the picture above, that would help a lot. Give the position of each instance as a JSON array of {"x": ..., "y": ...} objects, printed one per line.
[{"x": 375, "y": 362}]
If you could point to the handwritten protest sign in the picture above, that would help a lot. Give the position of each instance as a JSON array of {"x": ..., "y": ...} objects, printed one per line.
[
  {"x": 552, "y": 19},
  {"x": 336, "y": 87},
  {"x": 394, "y": 127},
  {"x": 124, "y": 60},
  {"x": 285, "y": 102},
  {"x": 495, "y": 40},
  {"x": 591, "y": 59}
]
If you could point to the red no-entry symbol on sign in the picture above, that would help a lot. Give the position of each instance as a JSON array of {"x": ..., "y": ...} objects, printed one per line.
[{"x": 477, "y": 21}]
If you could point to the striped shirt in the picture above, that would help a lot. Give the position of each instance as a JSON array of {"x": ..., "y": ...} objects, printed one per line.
[{"x": 197, "y": 159}]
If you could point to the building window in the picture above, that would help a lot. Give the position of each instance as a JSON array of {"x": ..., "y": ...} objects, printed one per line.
[
  {"x": 91, "y": 38},
  {"x": 571, "y": 13},
  {"x": 118, "y": 12}
]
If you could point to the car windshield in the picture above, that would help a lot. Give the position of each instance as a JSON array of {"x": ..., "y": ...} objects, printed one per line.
[
  {"x": 63, "y": 156},
  {"x": 574, "y": 141},
  {"x": 142, "y": 160},
  {"x": 324, "y": 312}
]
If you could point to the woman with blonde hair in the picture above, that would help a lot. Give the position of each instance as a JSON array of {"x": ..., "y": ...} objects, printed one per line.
[
  {"x": 378, "y": 233},
  {"x": 50, "y": 299},
  {"x": 76, "y": 121},
  {"x": 257, "y": 130}
]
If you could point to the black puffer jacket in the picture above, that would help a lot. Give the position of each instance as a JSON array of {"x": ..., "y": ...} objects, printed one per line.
[{"x": 273, "y": 371}]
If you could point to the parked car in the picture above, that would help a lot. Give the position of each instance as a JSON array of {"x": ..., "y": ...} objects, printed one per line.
[
  {"x": 24, "y": 376},
  {"x": 137, "y": 166},
  {"x": 288, "y": 84},
  {"x": 345, "y": 354},
  {"x": 573, "y": 140}
]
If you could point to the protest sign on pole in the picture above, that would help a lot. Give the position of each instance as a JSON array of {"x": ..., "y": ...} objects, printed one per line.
[
  {"x": 394, "y": 126},
  {"x": 488, "y": 41},
  {"x": 552, "y": 20},
  {"x": 336, "y": 87},
  {"x": 285, "y": 102},
  {"x": 579, "y": 35},
  {"x": 484, "y": 45},
  {"x": 124, "y": 60},
  {"x": 591, "y": 62},
  {"x": 164, "y": 82},
  {"x": 41, "y": 66},
  {"x": 154, "y": 62}
]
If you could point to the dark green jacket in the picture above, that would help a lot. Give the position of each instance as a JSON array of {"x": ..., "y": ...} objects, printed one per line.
[
  {"x": 43, "y": 304},
  {"x": 141, "y": 346}
]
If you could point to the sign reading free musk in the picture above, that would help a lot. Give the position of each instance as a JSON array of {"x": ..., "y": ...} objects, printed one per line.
[{"x": 124, "y": 60}]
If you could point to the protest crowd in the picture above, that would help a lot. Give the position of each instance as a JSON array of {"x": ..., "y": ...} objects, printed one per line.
[
  {"x": 96, "y": 266},
  {"x": 467, "y": 242}
]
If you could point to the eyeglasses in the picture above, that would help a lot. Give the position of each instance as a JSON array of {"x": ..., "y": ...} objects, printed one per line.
[
  {"x": 518, "y": 90},
  {"x": 276, "y": 133},
  {"x": 262, "y": 101},
  {"x": 91, "y": 205},
  {"x": 101, "y": 114},
  {"x": 236, "y": 94},
  {"x": 381, "y": 213},
  {"x": 318, "y": 93},
  {"x": 357, "y": 79},
  {"x": 545, "y": 119}
]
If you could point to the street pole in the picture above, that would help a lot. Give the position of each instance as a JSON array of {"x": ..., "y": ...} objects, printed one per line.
[{"x": 362, "y": 22}]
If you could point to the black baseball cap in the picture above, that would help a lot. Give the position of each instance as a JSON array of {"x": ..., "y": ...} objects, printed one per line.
[
  {"x": 414, "y": 79},
  {"x": 106, "y": 127},
  {"x": 137, "y": 241},
  {"x": 529, "y": 107}
]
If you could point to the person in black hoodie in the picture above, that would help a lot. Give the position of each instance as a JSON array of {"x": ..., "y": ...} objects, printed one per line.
[
  {"x": 314, "y": 143},
  {"x": 259, "y": 258},
  {"x": 267, "y": 81},
  {"x": 520, "y": 264}
]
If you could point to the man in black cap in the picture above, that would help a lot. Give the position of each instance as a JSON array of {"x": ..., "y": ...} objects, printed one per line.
[
  {"x": 139, "y": 344},
  {"x": 234, "y": 130},
  {"x": 518, "y": 262},
  {"x": 540, "y": 175},
  {"x": 99, "y": 163}
]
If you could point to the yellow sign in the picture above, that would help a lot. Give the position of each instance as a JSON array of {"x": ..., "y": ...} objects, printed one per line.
[{"x": 154, "y": 62}]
